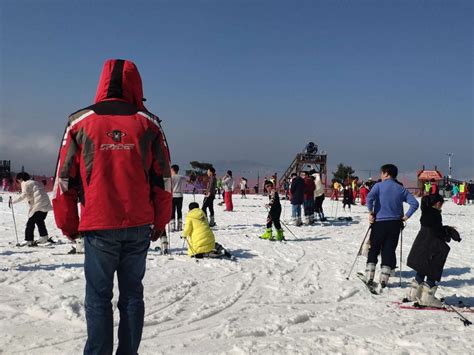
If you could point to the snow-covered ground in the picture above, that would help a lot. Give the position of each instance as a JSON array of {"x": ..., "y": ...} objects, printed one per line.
[{"x": 278, "y": 298}]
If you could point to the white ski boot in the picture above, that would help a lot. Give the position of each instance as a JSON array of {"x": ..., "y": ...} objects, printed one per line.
[
  {"x": 180, "y": 225},
  {"x": 306, "y": 221},
  {"x": 385, "y": 275},
  {"x": 428, "y": 298},
  {"x": 164, "y": 245},
  {"x": 43, "y": 239},
  {"x": 369, "y": 273},
  {"x": 414, "y": 293},
  {"x": 78, "y": 248},
  {"x": 80, "y": 245}
]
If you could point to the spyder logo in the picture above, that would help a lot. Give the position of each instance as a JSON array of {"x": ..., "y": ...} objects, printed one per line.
[{"x": 116, "y": 135}]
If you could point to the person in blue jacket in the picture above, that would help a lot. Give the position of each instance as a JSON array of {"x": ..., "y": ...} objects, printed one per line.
[{"x": 385, "y": 203}]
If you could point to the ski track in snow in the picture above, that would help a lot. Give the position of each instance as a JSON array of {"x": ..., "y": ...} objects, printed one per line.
[{"x": 290, "y": 297}]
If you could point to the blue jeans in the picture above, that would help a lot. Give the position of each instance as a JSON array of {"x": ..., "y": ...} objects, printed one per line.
[
  {"x": 108, "y": 251},
  {"x": 308, "y": 207},
  {"x": 295, "y": 211}
]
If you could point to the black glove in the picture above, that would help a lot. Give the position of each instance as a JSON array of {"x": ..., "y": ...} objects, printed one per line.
[{"x": 452, "y": 233}]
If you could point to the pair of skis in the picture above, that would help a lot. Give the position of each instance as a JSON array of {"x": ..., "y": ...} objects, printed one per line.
[
  {"x": 373, "y": 288},
  {"x": 49, "y": 243},
  {"x": 446, "y": 308},
  {"x": 283, "y": 241}
]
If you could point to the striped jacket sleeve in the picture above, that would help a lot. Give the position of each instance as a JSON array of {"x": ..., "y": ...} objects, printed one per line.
[
  {"x": 67, "y": 185},
  {"x": 160, "y": 180}
]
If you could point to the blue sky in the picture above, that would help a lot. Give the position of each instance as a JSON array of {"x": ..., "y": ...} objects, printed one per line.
[{"x": 371, "y": 82}]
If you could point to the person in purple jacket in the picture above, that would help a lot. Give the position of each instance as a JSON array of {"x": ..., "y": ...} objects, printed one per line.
[{"x": 385, "y": 203}]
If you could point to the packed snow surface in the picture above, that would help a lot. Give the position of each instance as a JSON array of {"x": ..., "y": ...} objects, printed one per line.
[{"x": 285, "y": 298}]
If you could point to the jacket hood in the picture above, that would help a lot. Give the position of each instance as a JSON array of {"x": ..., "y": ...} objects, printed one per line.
[
  {"x": 196, "y": 213},
  {"x": 120, "y": 79}
]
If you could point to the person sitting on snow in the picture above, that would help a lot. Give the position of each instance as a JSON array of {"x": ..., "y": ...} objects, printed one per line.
[
  {"x": 199, "y": 236},
  {"x": 274, "y": 213},
  {"x": 429, "y": 252}
]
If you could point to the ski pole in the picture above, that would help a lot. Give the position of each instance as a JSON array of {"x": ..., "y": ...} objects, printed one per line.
[
  {"x": 169, "y": 238},
  {"x": 463, "y": 319},
  {"x": 10, "y": 203},
  {"x": 190, "y": 247},
  {"x": 182, "y": 247},
  {"x": 337, "y": 207},
  {"x": 289, "y": 230},
  {"x": 358, "y": 252}
]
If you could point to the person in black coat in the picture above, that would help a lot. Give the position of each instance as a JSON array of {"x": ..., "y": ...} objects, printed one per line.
[
  {"x": 348, "y": 197},
  {"x": 297, "y": 198},
  {"x": 429, "y": 252}
]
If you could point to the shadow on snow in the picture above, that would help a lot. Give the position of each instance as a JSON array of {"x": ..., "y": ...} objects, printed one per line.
[{"x": 48, "y": 267}]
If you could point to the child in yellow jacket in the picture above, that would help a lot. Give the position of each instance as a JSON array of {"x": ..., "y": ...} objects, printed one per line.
[{"x": 199, "y": 235}]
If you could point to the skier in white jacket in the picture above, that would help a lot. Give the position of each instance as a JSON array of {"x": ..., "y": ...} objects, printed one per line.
[
  {"x": 40, "y": 205},
  {"x": 319, "y": 197}
]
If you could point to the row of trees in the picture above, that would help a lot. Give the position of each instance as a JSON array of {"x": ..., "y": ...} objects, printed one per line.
[
  {"x": 197, "y": 169},
  {"x": 343, "y": 172}
]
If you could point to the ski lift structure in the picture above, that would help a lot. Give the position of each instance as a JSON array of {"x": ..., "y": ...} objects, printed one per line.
[{"x": 309, "y": 159}]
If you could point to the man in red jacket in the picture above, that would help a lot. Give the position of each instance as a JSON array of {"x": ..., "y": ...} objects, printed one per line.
[{"x": 114, "y": 160}]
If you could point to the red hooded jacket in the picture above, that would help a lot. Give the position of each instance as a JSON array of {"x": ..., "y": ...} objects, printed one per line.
[
  {"x": 309, "y": 187},
  {"x": 114, "y": 159}
]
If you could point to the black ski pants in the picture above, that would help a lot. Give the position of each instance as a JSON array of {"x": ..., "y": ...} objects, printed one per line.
[
  {"x": 177, "y": 208},
  {"x": 208, "y": 203},
  {"x": 37, "y": 219},
  {"x": 274, "y": 218},
  {"x": 384, "y": 239},
  {"x": 318, "y": 204}
]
